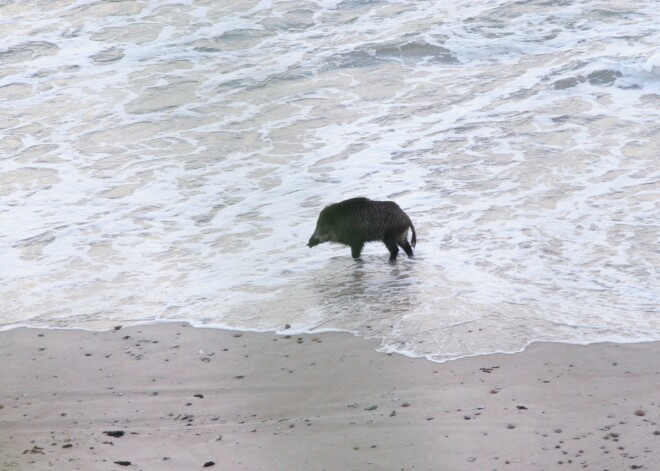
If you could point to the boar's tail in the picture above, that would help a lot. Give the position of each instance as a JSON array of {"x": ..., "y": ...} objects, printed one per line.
[{"x": 413, "y": 240}]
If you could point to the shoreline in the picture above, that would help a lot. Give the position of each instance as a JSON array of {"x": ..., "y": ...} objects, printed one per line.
[
  {"x": 289, "y": 332},
  {"x": 185, "y": 397}
]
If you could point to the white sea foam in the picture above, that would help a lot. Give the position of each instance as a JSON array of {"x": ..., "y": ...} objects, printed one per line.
[{"x": 167, "y": 161}]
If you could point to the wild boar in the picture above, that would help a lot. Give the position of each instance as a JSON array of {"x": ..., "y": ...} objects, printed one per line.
[{"x": 358, "y": 220}]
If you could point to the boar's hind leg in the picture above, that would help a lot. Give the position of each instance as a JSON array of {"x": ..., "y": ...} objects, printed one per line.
[
  {"x": 392, "y": 247},
  {"x": 356, "y": 250},
  {"x": 405, "y": 245}
]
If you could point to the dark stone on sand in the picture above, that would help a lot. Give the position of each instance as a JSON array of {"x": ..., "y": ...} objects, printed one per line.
[
  {"x": 467, "y": 417},
  {"x": 201, "y": 396},
  {"x": 114, "y": 433},
  {"x": 68, "y": 445},
  {"x": 489, "y": 370},
  {"x": 117, "y": 327},
  {"x": 287, "y": 326},
  {"x": 35, "y": 450},
  {"x": 657, "y": 432},
  {"x": 372, "y": 408},
  {"x": 510, "y": 426},
  {"x": 640, "y": 412},
  {"x": 405, "y": 404},
  {"x": 521, "y": 408},
  {"x": 393, "y": 413},
  {"x": 239, "y": 377},
  {"x": 208, "y": 464},
  {"x": 123, "y": 463}
]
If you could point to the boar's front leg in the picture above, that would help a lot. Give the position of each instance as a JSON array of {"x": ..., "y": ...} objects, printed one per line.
[{"x": 356, "y": 249}]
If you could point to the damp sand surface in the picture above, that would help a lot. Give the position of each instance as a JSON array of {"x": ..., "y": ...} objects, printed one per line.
[{"x": 170, "y": 396}]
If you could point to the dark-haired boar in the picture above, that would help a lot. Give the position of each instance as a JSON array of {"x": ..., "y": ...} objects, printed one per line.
[{"x": 356, "y": 221}]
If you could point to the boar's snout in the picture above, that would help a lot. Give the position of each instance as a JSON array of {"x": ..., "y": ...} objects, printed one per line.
[{"x": 313, "y": 241}]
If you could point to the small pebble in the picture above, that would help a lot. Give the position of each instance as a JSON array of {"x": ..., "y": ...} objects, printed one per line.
[
  {"x": 510, "y": 426},
  {"x": 640, "y": 412},
  {"x": 208, "y": 464}
]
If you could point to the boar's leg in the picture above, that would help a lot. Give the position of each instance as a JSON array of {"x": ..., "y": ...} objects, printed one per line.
[
  {"x": 406, "y": 246},
  {"x": 392, "y": 247},
  {"x": 356, "y": 250}
]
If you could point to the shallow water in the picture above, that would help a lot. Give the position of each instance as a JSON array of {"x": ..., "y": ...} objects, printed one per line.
[{"x": 167, "y": 161}]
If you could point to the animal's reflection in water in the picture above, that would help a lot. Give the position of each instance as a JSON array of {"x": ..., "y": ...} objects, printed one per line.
[{"x": 371, "y": 293}]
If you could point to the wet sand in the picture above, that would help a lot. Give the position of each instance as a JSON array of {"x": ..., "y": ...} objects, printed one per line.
[{"x": 172, "y": 397}]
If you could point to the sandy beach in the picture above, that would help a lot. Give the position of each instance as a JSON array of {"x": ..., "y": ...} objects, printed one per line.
[{"x": 173, "y": 397}]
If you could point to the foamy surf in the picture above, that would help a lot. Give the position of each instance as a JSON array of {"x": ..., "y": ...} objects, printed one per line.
[{"x": 167, "y": 161}]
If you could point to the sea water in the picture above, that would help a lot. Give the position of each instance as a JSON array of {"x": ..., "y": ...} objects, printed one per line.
[{"x": 167, "y": 160}]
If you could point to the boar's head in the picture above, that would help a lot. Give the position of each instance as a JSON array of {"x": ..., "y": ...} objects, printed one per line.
[{"x": 324, "y": 231}]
